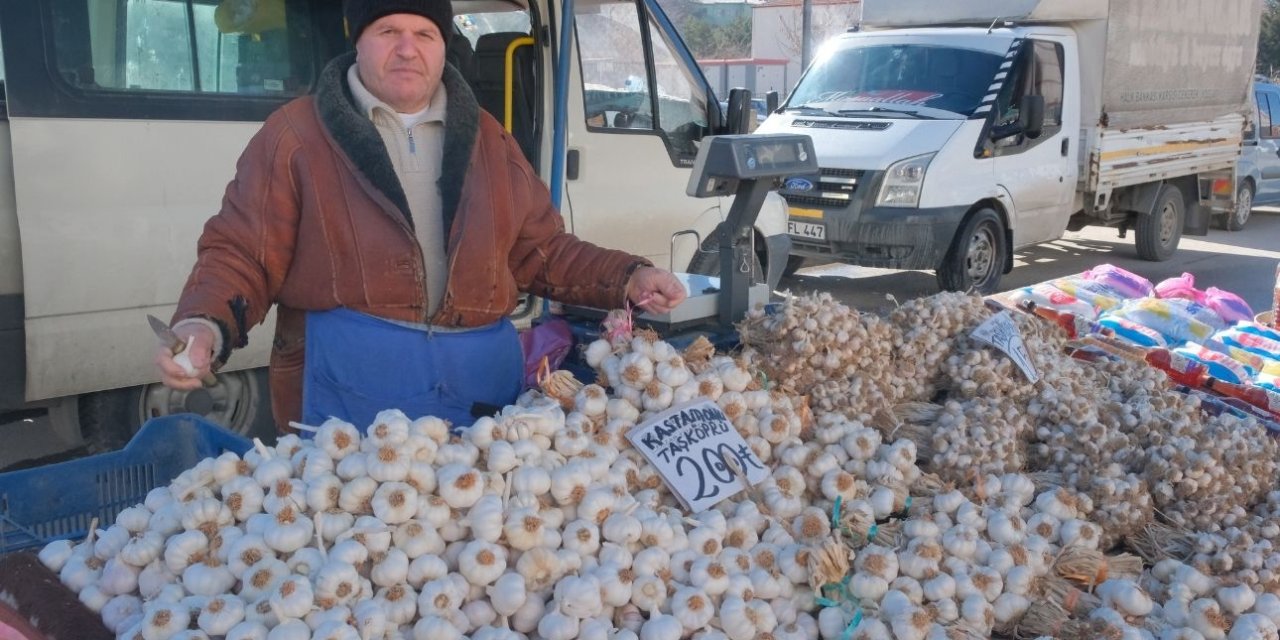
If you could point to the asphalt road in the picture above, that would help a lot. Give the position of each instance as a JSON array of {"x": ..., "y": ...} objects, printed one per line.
[{"x": 1242, "y": 262}]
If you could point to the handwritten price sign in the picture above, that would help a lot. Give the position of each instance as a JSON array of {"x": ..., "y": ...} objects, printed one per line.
[
  {"x": 689, "y": 445},
  {"x": 1001, "y": 333}
]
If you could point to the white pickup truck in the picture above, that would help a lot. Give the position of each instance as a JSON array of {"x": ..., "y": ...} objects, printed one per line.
[{"x": 950, "y": 134}]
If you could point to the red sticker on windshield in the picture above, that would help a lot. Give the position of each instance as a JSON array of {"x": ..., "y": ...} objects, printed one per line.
[{"x": 893, "y": 96}]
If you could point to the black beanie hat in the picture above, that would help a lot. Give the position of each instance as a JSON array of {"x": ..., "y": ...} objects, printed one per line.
[{"x": 361, "y": 13}]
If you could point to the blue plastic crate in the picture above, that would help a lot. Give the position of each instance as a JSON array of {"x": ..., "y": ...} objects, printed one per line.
[{"x": 60, "y": 500}]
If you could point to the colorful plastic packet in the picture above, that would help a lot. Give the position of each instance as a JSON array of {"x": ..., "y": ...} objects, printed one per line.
[
  {"x": 1255, "y": 362},
  {"x": 1251, "y": 342},
  {"x": 1097, "y": 294},
  {"x": 1131, "y": 285},
  {"x": 1229, "y": 306},
  {"x": 1249, "y": 326},
  {"x": 1134, "y": 332},
  {"x": 1219, "y": 365},
  {"x": 1050, "y": 297},
  {"x": 1183, "y": 286},
  {"x": 1169, "y": 317}
]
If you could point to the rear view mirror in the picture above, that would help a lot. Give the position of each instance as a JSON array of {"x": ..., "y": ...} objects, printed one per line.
[
  {"x": 738, "y": 119},
  {"x": 1031, "y": 116}
]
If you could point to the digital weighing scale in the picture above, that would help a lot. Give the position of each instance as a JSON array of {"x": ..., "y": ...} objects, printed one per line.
[{"x": 747, "y": 167}]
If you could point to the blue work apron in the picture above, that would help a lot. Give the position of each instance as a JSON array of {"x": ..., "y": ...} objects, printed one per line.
[{"x": 358, "y": 365}]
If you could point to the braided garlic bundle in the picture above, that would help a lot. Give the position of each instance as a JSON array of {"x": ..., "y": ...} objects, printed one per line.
[{"x": 812, "y": 339}]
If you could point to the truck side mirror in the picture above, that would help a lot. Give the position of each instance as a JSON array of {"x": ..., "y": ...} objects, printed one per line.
[
  {"x": 771, "y": 101},
  {"x": 1031, "y": 116},
  {"x": 1029, "y": 121},
  {"x": 737, "y": 120}
]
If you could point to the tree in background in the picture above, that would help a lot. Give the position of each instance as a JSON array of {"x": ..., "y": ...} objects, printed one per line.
[
  {"x": 828, "y": 20},
  {"x": 1269, "y": 40},
  {"x": 712, "y": 30}
]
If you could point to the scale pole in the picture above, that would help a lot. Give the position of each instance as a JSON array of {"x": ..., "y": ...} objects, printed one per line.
[{"x": 736, "y": 263}]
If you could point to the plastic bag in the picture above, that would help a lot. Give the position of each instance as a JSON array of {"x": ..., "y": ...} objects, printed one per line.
[
  {"x": 1050, "y": 297},
  {"x": 1129, "y": 284},
  {"x": 1183, "y": 286},
  {"x": 1133, "y": 332},
  {"x": 1251, "y": 342},
  {"x": 1249, "y": 326},
  {"x": 1169, "y": 317},
  {"x": 1253, "y": 361},
  {"x": 1219, "y": 365},
  {"x": 1198, "y": 311},
  {"x": 1229, "y": 306},
  {"x": 1097, "y": 294},
  {"x": 550, "y": 339}
]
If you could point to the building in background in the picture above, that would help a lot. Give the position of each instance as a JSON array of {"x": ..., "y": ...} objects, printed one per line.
[
  {"x": 755, "y": 44},
  {"x": 776, "y": 33},
  {"x": 760, "y": 75}
]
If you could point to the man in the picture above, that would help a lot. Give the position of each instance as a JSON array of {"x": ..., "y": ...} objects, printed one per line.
[{"x": 393, "y": 223}]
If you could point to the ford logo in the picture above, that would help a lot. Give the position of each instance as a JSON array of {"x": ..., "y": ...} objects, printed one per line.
[{"x": 798, "y": 184}]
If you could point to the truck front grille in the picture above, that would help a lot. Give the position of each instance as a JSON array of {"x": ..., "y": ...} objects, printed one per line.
[{"x": 835, "y": 188}]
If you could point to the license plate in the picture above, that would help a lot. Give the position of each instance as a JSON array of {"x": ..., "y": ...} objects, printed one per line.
[{"x": 807, "y": 230}]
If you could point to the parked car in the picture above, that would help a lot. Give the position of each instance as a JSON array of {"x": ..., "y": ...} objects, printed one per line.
[{"x": 1259, "y": 172}]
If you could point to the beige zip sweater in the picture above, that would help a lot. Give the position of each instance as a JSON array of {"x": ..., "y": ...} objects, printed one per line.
[{"x": 415, "y": 143}]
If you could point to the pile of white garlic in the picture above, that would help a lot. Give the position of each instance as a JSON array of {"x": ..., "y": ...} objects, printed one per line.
[
  {"x": 979, "y": 508},
  {"x": 925, "y": 332},
  {"x": 959, "y": 440},
  {"x": 535, "y": 522},
  {"x": 1114, "y": 433},
  {"x": 813, "y": 339}
]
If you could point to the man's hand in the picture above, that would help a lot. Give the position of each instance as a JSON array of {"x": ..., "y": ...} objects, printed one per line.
[
  {"x": 199, "y": 340},
  {"x": 655, "y": 290}
]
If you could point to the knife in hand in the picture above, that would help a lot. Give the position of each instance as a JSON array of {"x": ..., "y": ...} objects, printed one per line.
[{"x": 176, "y": 346}]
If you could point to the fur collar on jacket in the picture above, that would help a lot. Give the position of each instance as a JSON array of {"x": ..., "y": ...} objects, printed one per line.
[{"x": 356, "y": 135}]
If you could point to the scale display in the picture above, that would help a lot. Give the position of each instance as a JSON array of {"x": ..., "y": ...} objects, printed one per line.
[{"x": 723, "y": 161}]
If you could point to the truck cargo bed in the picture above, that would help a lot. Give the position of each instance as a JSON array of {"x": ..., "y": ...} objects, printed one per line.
[{"x": 1126, "y": 157}]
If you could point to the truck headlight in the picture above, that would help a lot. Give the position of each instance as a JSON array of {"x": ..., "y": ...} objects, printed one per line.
[{"x": 903, "y": 181}]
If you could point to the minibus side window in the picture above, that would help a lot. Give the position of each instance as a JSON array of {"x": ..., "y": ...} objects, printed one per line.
[
  {"x": 615, "y": 77},
  {"x": 178, "y": 46},
  {"x": 682, "y": 103}
]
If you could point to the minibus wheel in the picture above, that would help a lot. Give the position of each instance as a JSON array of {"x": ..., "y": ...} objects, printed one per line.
[{"x": 240, "y": 401}]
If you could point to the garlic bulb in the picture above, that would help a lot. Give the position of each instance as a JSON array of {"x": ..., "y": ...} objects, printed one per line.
[
  {"x": 693, "y": 608},
  {"x": 482, "y": 563},
  {"x": 220, "y": 614}
]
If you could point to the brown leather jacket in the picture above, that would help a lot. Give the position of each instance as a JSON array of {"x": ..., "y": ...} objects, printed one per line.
[{"x": 315, "y": 219}]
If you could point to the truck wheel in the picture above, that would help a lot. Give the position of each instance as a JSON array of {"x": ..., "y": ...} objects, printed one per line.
[
  {"x": 1235, "y": 220},
  {"x": 1157, "y": 234},
  {"x": 976, "y": 258},
  {"x": 240, "y": 402}
]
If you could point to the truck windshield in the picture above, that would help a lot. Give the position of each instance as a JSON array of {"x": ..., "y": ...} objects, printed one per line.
[{"x": 885, "y": 80}]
